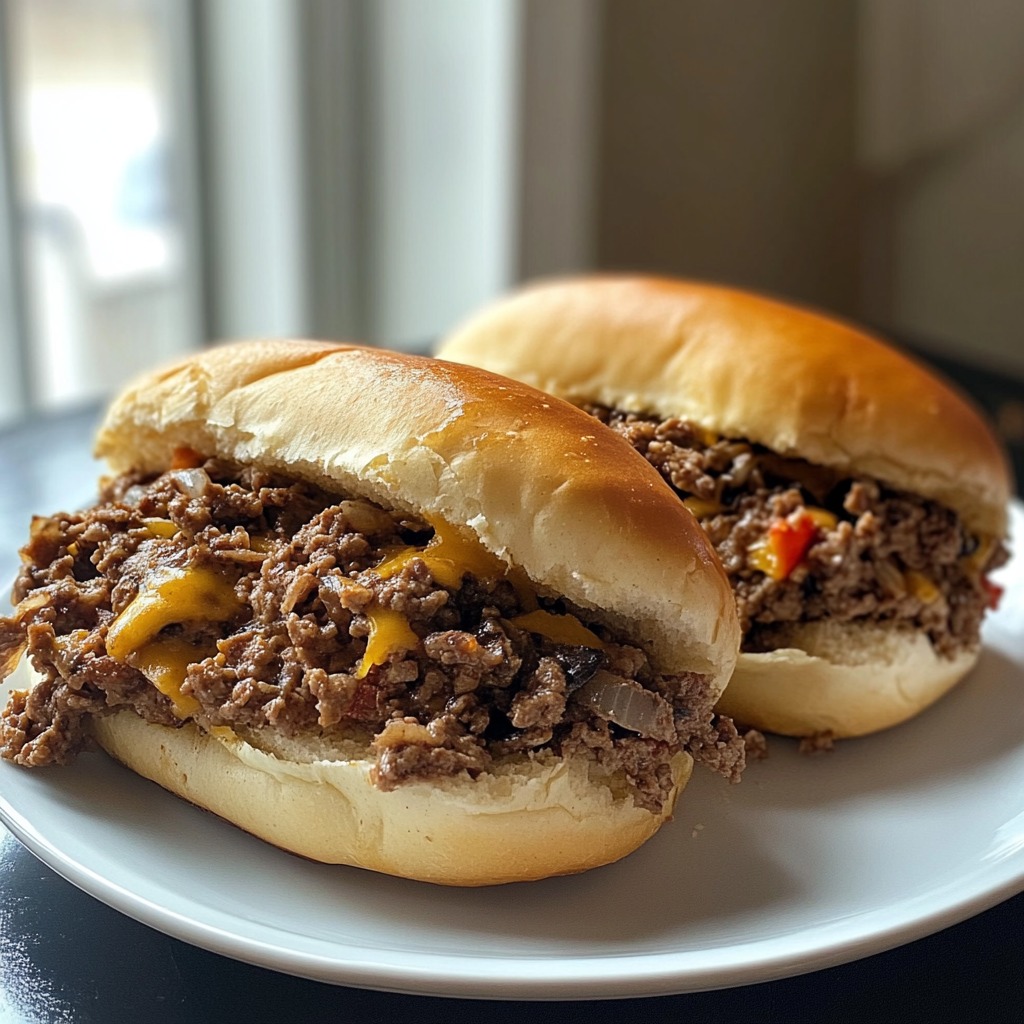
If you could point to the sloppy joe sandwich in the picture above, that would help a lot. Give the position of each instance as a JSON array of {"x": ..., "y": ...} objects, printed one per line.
[
  {"x": 379, "y": 610},
  {"x": 858, "y": 503}
]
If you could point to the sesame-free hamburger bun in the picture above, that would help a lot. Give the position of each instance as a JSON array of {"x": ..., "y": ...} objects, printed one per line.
[
  {"x": 858, "y": 502},
  {"x": 380, "y": 610}
]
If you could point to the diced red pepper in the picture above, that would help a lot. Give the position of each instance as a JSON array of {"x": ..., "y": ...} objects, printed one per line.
[
  {"x": 789, "y": 540},
  {"x": 363, "y": 706},
  {"x": 186, "y": 458},
  {"x": 994, "y": 592}
]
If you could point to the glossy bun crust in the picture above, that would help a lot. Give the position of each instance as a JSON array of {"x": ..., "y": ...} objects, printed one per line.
[
  {"x": 743, "y": 365},
  {"x": 841, "y": 680},
  {"x": 527, "y": 820},
  {"x": 531, "y": 478}
]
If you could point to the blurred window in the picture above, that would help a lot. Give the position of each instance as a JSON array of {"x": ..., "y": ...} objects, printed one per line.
[
  {"x": 100, "y": 138},
  {"x": 355, "y": 161}
]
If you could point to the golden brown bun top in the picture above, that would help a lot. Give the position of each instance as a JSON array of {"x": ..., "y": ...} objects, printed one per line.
[
  {"x": 534, "y": 479},
  {"x": 747, "y": 366}
]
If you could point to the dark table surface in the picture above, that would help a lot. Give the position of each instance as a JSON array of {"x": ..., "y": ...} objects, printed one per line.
[{"x": 66, "y": 957}]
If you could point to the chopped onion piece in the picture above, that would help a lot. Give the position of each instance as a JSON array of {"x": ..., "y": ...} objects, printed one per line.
[
  {"x": 27, "y": 605},
  {"x": 10, "y": 654},
  {"x": 626, "y": 703},
  {"x": 192, "y": 482}
]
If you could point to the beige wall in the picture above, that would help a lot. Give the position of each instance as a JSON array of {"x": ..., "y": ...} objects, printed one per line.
[
  {"x": 727, "y": 144},
  {"x": 863, "y": 155},
  {"x": 941, "y": 143}
]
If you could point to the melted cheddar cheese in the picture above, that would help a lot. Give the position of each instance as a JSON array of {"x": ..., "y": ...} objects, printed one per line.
[
  {"x": 562, "y": 629},
  {"x": 761, "y": 557},
  {"x": 821, "y": 517},
  {"x": 390, "y": 633},
  {"x": 164, "y": 663},
  {"x": 921, "y": 587},
  {"x": 701, "y": 508},
  {"x": 170, "y": 595},
  {"x": 161, "y": 527},
  {"x": 449, "y": 556}
]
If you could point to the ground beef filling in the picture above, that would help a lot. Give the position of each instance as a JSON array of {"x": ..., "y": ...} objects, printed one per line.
[
  {"x": 294, "y": 569},
  {"x": 875, "y": 556}
]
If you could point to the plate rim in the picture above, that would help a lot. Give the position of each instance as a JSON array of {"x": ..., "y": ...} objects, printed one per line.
[{"x": 505, "y": 977}]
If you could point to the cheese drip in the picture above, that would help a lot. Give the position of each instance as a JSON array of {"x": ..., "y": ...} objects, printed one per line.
[
  {"x": 164, "y": 663},
  {"x": 169, "y": 596},
  {"x": 448, "y": 556},
  {"x": 561, "y": 629},
  {"x": 390, "y": 633}
]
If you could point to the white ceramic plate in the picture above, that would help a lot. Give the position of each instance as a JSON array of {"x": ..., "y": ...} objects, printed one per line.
[{"x": 808, "y": 863}]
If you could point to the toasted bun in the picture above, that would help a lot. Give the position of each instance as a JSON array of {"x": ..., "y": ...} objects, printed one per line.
[
  {"x": 840, "y": 679},
  {"x": 527, "y": 475},
  {"x": 527, "y": 820},
  {"x": 805, "y": 385},
  {"x": 747, "y": 366}
]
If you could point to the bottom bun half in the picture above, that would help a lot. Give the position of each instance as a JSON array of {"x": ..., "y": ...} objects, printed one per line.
[
  {"x": 528, "y": 819},
  {"x": 841, "y": 680}
]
